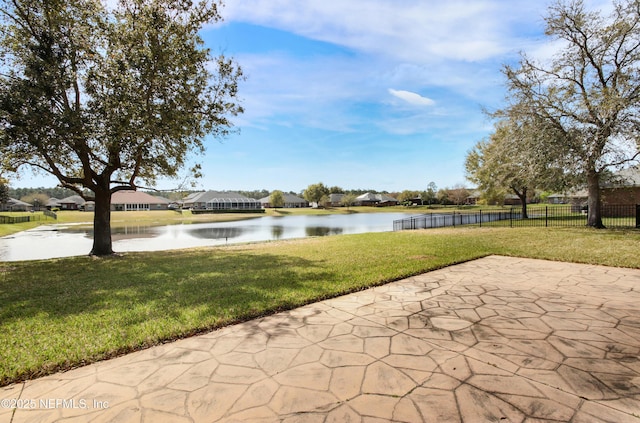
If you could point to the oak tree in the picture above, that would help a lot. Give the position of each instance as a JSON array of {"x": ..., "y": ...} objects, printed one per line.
[
  {"x": 588, "y": 95},
  {"x": 512, "y": 160},
  {"x": 458, "y": 194},
  {"x": 105, "y": 99},
  {"x": 4, "y": 192},
  {"x": 430, "y": 195},
  {"x": 315, "y": 193},
  {"x": 276, "y": 199},
  {"x": 348, "y": 200}
]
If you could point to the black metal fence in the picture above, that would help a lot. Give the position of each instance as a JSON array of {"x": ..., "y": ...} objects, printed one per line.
[
  {"x": 34, "y": 217},
  {"x": 614, "y": 216}
]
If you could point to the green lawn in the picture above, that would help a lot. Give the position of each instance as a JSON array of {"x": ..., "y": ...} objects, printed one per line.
[
  {"x": 60, "y": 313},
  {"x": 150, "y": 218},
  {"x": 11, "y": 228}
]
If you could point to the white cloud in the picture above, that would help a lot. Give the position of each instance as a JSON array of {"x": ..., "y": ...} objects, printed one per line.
[
  {"x": 415, "y": 44},
  {"x": 412, "y": 98},
  {"x": 284, "y": 90},
  {"x": 452, "y": 50},
  {"x": 417, "y": 30}
]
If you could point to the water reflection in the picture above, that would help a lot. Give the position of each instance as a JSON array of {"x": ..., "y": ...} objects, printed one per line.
[
  {"x": 117, "y": 233},
  {"x": 59, "y": 241},
  {"x": 322, "y": 231},
  {"x": 216, "y": 233},
  {"x": 277, "y": 231}
]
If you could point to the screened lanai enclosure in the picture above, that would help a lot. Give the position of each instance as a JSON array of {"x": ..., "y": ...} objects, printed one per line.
[{"x": 217, "y": 201}]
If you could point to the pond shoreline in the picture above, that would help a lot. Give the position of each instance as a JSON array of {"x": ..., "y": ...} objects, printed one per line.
[{"x": 75, "y": 238}]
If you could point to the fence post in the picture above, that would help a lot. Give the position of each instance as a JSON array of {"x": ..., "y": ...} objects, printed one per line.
[
  {"x": 511, "y": 217},
  {"x": 454, "y": 219},
  {"x": 546, "y": 216},
  {"x": 638, "y": 216},
  {"x": 481, "y": 218}
]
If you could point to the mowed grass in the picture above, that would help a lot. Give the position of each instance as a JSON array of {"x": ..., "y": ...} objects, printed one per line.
[
  {"x": 119, "y": 219},
  {"x": 61, "y": 313},
  {"x": 11, "y": 228}
]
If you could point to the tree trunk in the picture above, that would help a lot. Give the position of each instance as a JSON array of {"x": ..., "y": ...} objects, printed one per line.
[
  {"x": 102, "y": 224},
  {"x": 522, "y": 195},
  {"x": 594, "y": 207}
]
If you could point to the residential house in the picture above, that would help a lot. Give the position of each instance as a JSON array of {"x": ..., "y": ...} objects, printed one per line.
[
  {"x": 15, "y": 205},
  {"x": 290, "y": 202},
  {"x": 220, "y": 201},
  {"x": 558, "y": 198},
  {"x": 53, "y": 203},
  {"x": 335, "y": 200},
  {"x": 473, "y": 198},
  {"x": 129, "y": 200},
  {"x": 74, "y": 202},
  {"x": 378, "y": 200},
  {"x": 120, "y": 201},
  {"x": 623, "y": 188},
  {"x": 512, "y": 200},
  {"x": 509, "y": 199}
]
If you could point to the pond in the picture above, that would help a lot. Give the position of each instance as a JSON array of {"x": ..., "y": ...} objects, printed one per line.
[{"x": 64, "y": 241}]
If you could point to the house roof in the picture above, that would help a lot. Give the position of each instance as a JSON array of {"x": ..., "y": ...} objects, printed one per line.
[
  {"x": 290, "y": 198},
  {"x": 209, "y": 196},
  {"x": 191, "y": 196},
  {"x": 579, "y": 193},
  {"x": 382, "y": 198},
  {"x": 367, "y": 197},
  {"x": 626, "y": 178},
  {"x": 74, "y": 199},
  {"x": 136, "y": 197},
  {"x": 475, "y": 193},
  {"x": 14, "y": 202}
]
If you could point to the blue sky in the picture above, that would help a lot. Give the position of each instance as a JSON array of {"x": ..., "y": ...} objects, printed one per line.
[{"x": 372, "y": 94}]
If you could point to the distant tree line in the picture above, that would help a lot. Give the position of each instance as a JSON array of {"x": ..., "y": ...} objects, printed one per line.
[
  {"x": 458, "y": 195},
  {"x": 258, "y": 194},
  {"x": 57, "y": 192},
  {"x": 315, "y": 193}
]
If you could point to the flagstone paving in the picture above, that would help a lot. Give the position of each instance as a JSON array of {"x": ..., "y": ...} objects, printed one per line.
[{"x": 493, "y": 340}]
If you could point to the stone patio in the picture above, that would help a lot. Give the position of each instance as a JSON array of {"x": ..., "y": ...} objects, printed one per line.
[{"x": 493, "y": 340}]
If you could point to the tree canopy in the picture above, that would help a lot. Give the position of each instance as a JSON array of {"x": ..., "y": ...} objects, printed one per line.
[
  {"x": 408, "y": 195},
  {"x": 106, "y": 99},
  {"x": 315, "y": 192},
  {"x": 276, "y": 199},
  {"x": 348, "y": 200},
  {"x": 586, "y": 99},
  {"x": 430, "y": 195},
  {"x": 511, "y": 160},
  {"x": 4, "y": 192}
]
